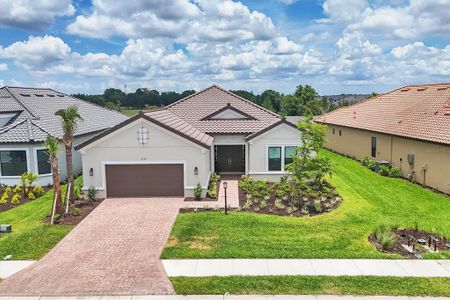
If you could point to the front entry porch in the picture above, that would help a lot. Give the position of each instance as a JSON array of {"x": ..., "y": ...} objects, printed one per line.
[{"x": 229, "y": 159}]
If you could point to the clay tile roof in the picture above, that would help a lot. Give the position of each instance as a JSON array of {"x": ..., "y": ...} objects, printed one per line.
[
  {"x": 416, "y": 111},
  {"x": 170, "y": 121},
  {"x": 195, "y": 109}
]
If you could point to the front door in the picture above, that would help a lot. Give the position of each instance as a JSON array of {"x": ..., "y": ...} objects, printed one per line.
[{"x": 229, "y": 158}]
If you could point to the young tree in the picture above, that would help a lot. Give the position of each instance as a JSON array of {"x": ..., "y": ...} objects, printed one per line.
[
  {"x": 51, "y": 145},
  {"x": 308, "y": 166},
  {"x": 69, "y": 118}
]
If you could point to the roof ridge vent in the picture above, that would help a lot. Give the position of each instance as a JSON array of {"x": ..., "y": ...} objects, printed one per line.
[
  {"x": 442, "y": 88},
  {"x": 421, "y": 89},
  {"x": 405, "y": 89}
]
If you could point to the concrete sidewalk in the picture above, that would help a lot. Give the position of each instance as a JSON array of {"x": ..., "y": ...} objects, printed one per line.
[
  {"x": 232, "y": 297},
  {"x": 9, "y": 267},
  {"x": 326, "y": 267}
]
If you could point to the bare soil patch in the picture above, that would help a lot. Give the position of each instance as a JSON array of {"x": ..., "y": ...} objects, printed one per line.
[{"x": 84, "y": 208}]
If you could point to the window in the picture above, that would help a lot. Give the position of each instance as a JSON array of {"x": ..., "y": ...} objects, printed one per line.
[
  {"x": 340, "y": 132},
  {"x": 274, "y": 158},
  {"x": 374, "y": 146},
  {"x": 42, "y": 162},
  {"x": 289, "y": 153},
  {"x": 334, "y": 131},
  {"x": 13, "y": 162}
]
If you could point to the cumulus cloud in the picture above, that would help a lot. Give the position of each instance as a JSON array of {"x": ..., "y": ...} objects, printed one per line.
[
  {"x": 416, "y": 18},
  {"x": 183, "y": 20},
  {"x": 33, "y": 15},
  {"x": 3, "y": 67}
]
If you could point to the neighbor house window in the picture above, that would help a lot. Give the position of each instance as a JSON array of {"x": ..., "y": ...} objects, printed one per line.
[
  {"x": 334, "y": 131},
  {"x": 43, "y": 162},
  {"x": 274, "y": 159},
  {"x": 374, "y": 147},
  {"x": 340, "y": 132},
  {"x": 289, "y": 153},
  {"x": 13, "y": 162}
]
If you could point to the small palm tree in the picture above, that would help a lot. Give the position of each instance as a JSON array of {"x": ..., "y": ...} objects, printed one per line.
[
  {"x": 69, "y": 117},
  {"x": 51, "y": 145}
]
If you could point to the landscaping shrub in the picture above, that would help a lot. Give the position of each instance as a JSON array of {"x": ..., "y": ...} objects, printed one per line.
[
  {"x": 198, "y": 191},
  {"x": 31, "y": 196},
  {"x": 17, "y": 189},
  {"x": 384, "y": 170},
  {"x": 78, "y": 189},
  {"x": 75, "y": 211},
  {"x": 212, "y": 188},
  {"x": 38, "y": 190},
  {"x": 395, "y": 172},
  {"x": 368, "y": 162},
  {"x": 16, "y": 199},
  {"x": 384, "y": 235},
  {"x": 92, "y": 193}
]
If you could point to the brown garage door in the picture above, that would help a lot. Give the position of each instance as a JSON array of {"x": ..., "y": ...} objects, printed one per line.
[{"x": 146, "y": 180}]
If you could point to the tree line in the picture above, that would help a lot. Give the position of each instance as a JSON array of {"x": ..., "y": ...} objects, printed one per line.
[{"x": 303, "y": 101}]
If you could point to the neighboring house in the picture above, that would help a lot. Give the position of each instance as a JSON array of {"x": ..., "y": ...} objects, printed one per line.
[
  {"x": 408, "y": 127},
  {"x": 168, "y": 152},
  {"x": 27, "y": 117}
]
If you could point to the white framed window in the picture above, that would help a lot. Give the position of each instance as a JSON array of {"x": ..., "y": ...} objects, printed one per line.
[
  {"x": 278, "y": 156},
  {"x": 13, "y": 162},
  {"x": 42, "y": 164}
]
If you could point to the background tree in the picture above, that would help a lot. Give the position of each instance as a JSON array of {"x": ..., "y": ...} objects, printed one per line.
[
  {"x": 69, "y": 117},
  {"x": 51, "y": 145}
]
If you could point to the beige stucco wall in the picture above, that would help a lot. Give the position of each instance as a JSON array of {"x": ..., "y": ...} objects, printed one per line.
[
  {"x": 163, "y": 147},
  {"x": 282, "y": 135},
  {"x": 435, "y": 158}
]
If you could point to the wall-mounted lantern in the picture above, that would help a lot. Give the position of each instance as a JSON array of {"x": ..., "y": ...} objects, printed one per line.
[
  {"x": 142, "y": 135},
  {"x": 195, "y": 171},
  {"x": 91, "y": 172}
]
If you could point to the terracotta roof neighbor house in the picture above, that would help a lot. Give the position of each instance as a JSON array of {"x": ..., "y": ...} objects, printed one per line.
[
  {"x": 408, "y": 128},
  {"x": 415, "y": 111}
]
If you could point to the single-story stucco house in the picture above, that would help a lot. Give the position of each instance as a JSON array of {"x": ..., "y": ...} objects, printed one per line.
[
  {"x": 27, "y": 117},
  {"x": 408, "y": 128},
  {"x": 167, "y": 152}
]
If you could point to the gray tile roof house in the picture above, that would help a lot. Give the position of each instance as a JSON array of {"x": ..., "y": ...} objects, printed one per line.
[
  {"x": 169, "y": 151},
  {"x": 27, "y": 117}
]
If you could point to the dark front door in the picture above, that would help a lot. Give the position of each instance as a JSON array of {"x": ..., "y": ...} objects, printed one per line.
[{"x": 229, "y": 158}]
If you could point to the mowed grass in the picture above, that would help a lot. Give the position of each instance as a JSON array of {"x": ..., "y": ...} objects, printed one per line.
[
  {"x": 312, "y": 285},
  {"x": 31, "y": 237},
  {"x": 130, "y": 112},
  {"x": 369, "y": 200}
]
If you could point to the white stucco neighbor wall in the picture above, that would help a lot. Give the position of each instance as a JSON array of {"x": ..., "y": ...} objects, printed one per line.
[
  {"x": 163, "y": 146},
  {"x": 282, "y": 135},
  {"x": 44, "y": 179}
]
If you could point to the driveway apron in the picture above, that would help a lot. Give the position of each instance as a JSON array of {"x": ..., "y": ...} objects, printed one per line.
[{"x": 115, "y": 250}]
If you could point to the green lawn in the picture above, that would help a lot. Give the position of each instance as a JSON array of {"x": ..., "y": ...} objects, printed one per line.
[
  {"x": 130, "y": 112},
  {"x": 340, "y": 285},
  {"x": 369, "y": 201},
  {"x": 31, "y": 237}
]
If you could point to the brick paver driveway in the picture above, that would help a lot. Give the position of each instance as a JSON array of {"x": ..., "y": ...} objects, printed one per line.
[{"x": 115, "y": 251}]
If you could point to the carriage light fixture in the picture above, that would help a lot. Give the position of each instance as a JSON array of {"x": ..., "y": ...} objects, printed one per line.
[
  {"x": 195, "y": 171},
  {"x": 142, "y": 135},
  {"x": 91, "y": 172}
]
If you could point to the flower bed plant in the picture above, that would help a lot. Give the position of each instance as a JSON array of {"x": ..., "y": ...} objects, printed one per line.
[
  {"x": 285, "y": 198},
  {"x": 12, "y": 196}
]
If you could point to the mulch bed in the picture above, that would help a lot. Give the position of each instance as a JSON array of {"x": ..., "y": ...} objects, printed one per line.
[
  {"x": 8, "y": 205},
  {"x": 270, "y": 209},
  {"x": 85, "y": 206},
  {"x": 402, "y": 237}
]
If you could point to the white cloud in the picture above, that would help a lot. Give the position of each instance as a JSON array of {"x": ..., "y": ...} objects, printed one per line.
[
  {"x": 37, "y": 52},
  {"x": 353, "y": 45},
  {"x": 289, "y": 2},
  {"x": 3, "y": 67},
  {"x": 184, "y": 21},
  {"x": 344, "y": 11},
  {"x": 33, "y": 14}
]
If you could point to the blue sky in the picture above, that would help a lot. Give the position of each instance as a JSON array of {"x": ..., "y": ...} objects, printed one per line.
[{"x": 337, "y": 46}]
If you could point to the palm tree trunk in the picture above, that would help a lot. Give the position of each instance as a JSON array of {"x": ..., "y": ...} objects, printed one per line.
[
  {"x": 58, "y": 206},
  {"x": 69, "y": 165}
]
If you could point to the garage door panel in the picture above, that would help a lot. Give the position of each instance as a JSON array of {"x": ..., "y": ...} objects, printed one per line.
[{"x": 145, "y": 180}]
